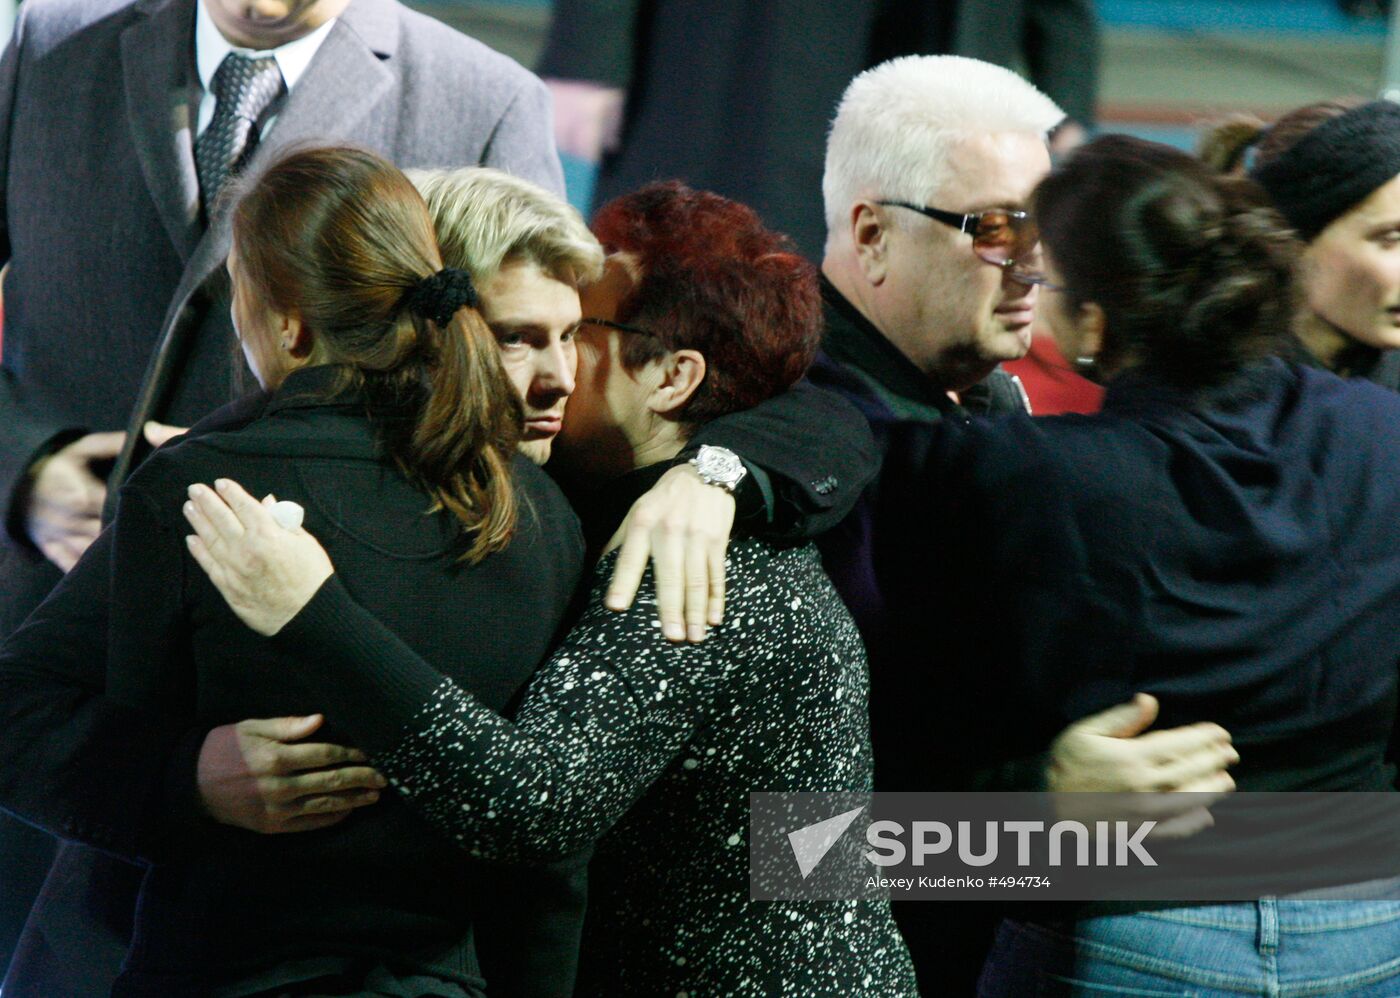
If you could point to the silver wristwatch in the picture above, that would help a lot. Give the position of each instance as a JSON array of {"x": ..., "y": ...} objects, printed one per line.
[{"x": 719, "y": 467}]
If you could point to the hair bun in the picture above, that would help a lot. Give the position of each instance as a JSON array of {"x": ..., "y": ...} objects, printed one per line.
[
  {"x": 1193, "y": 269},
  {"x": 438, "y": 297},
  {"x": 1225, "y": 145}
]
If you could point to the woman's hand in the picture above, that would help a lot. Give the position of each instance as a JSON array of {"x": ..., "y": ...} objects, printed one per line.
[
  {"x": 683, "y": 525},
  {"x": 1110, "y": 767},
  {"x": 265, "y": 571}
]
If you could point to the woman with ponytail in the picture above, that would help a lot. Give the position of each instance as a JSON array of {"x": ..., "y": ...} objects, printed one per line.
[
  {"x": 1221, "y": 536},
  {"x": 388, "y": 420},
  {"x": 1332, "y": 169},
  {"x": 333, "y": 267}
]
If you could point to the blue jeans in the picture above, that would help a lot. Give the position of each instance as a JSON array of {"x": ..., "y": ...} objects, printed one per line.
[{"x": 1280, "y": 948}]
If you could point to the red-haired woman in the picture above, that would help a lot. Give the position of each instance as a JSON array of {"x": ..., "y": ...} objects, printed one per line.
[
  {"x": 390, "y": 420},
  {"x": 647, "y": 747}
]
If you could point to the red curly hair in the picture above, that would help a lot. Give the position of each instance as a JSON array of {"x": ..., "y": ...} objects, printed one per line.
[{"x": 713, "y": 279}]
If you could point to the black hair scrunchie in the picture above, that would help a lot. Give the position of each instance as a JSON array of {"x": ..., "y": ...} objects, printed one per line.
[{"x": 437, "y": 298}]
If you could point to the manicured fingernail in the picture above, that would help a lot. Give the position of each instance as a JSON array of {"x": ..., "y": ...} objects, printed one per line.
[
  {"x": 379, "y": 781},
  {"x": 188, "y": 509},
  {"x": 613, "y": 602},
  {"x": 193, "y": 490},
  {"x": 221, "y": 484},
  {"x": 695, "y": 632},
  {"x": 673, "y": 632}
]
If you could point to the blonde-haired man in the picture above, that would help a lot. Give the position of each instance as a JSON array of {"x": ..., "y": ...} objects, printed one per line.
[{"x": 529, "y": 252}]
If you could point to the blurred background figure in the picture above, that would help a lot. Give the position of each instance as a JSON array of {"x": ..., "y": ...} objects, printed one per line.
[
  {"x": 1365, "y": 8},
  {"x": 1053, "y": 383},
  {"x": 730, "y": 96},
  {"x": 1053, "y": 43}
]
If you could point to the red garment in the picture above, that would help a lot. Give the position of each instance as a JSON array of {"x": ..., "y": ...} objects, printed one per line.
[{"x": 1051, "y": 381}]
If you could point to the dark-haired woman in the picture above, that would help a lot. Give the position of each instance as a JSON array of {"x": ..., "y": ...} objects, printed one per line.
[
  {"x": 1333, "y": 170},
  {"x": 390, "y": 421},
  {"x": 1222, "y": 536},
  {"x": 648, "y": 747}
]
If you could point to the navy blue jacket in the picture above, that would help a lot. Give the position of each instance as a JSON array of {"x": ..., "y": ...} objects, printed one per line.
[{"x": 1238, "y": 557}]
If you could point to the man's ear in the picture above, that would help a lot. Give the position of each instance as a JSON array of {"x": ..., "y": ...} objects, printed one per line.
[
  {"x": 682, "y": 373},
  {"x": 870, "y": 236}
]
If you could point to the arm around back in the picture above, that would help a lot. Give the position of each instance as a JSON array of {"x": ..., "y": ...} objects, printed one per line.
[{"x": 816, "y": 450}]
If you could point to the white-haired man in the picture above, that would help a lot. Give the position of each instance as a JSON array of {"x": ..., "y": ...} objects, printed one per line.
[
  {"x": 928, "y": 168},
  {"x": 929, "y": 279}
]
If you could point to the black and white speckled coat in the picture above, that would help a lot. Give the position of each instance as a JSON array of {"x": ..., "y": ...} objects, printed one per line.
[{"x": 651, "y": 749}]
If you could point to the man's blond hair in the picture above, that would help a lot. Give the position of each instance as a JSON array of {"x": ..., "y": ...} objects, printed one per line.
[{"x": 485, "y": 218}]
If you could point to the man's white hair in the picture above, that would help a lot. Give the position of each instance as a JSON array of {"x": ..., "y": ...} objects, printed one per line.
[
  {"x": 485, "y": 218},
  {"x": 898, "y": 121}
]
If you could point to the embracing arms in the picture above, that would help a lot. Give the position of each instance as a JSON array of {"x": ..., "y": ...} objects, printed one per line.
[
  {"x": 270, "y": 575},
  {"x": 602, "y": 718}
]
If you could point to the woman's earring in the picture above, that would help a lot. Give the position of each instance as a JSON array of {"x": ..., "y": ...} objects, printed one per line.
[{"x": 1085, "y": 360}]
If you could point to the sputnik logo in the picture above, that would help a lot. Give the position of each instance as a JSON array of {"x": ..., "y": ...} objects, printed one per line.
[{"x": 811, "y": 843}]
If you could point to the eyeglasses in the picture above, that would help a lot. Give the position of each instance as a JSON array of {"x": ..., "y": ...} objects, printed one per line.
[
  {"x": 1004, "y": 237},
  {"x": 621, "y": 327},
  {"x": 1036, "y": 278}
]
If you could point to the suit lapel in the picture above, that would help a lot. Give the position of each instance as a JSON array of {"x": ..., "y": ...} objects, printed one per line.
[
  {"x": 344, "y": 84},
  {"x": 157, "y": 53}
]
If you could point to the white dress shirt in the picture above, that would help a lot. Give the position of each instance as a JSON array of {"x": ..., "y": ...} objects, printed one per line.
[{"x": 210, "y": 47}]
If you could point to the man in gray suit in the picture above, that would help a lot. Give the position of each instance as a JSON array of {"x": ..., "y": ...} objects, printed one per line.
[{"x": 120, "y": 124}]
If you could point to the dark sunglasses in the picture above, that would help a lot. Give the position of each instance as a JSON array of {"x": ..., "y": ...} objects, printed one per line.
[
  {"x": 621, "y": 327},
  {"x": 1003, "y": 237}
]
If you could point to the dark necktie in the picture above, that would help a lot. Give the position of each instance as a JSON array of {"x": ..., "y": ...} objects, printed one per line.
[{"x": 243, "y": 88}]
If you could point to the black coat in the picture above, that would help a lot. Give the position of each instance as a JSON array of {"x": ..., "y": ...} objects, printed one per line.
[
  {"x": 904, "y": 410},
  {"x": 913, "y": 675},
  {"x": 98, "y": 741},
  {"x": 108, "y": 250},
  {"x": 651, "y": 748},
  {"x": 1055, "y": 41}
]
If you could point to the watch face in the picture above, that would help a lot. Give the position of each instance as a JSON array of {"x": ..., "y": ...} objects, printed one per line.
[{"x": 719, "y": 466}]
